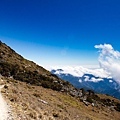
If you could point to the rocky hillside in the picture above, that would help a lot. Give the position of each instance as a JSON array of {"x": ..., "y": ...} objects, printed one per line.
[
  {"x": 31, "y": 102},
  {"x": 35, "y": 93}
]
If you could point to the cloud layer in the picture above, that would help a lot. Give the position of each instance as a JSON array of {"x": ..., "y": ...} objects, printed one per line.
[
  {"x": 79, "y": 71},
  {"x": 109, "y": 60},
  {"x": 93, "y": 79}
]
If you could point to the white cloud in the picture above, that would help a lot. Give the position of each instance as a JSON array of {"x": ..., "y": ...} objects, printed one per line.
[
  {"x": 86, "y": 78},
  {"x": 92, "y": 79},
  {"x": 96, "y": 79},
  {"x": 79, "y": 71},
  {"x": 109, "y": 60},
  {"x": 80, "y": 80},
  {"x": 110, "y": 81}
]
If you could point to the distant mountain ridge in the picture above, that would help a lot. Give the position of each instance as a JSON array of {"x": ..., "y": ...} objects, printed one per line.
[{"x": 103, "y": 83}]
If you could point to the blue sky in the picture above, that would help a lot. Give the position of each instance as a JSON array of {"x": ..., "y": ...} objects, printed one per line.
[{"x": 60, "y": 32}]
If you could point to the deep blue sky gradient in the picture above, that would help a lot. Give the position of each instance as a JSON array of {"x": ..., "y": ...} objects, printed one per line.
[{"x": 60, "y": 32}]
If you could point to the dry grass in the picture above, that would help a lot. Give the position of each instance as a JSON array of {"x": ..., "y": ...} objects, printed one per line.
[{"x": 37, "y": 103}]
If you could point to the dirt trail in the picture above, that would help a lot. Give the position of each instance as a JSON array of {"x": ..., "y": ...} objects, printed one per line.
[{"x": 4, "y": 109}]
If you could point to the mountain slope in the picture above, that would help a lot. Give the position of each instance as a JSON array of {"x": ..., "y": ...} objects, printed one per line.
[
  {"x": 30, "y": 102},
  {"x": 25, "y": 91},
  {"x": 15, "y": 66}
]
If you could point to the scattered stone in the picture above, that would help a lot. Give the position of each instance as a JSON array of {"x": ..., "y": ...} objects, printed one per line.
[{"x": 43, "y": 101}]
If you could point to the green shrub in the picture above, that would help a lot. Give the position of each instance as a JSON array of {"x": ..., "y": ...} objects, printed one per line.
[
  {"x": 117, "y": 108},
  {"x": 89, "y": 99}
]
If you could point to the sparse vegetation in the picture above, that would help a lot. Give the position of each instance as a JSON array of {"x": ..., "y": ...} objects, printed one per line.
[
  {"x": 36, "y": 95},
  {"x": 89, "y": 99},
  {"x": 55, "y": 115},
  {"x": 117, "y": 107}
]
